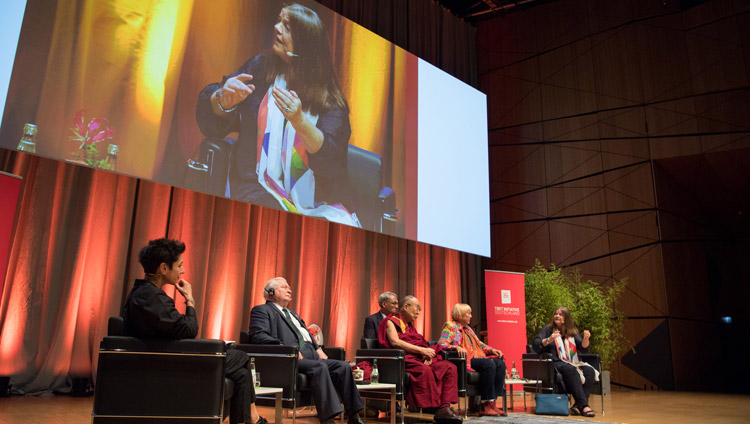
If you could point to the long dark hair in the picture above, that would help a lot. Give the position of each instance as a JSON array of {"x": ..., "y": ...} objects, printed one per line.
[
  {"x": 569, "y": 328},
  {"x": 310, "y": 73}
]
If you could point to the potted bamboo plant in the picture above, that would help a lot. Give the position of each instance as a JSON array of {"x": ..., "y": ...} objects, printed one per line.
[{"x": 591, "y": 304}]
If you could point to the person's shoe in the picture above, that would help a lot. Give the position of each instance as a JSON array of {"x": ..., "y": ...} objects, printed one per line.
[
  {"x": 589, "y": 413},
  {"x": 261, "y": 420},
  {"x": 498, "y": 410},
  {"x": 447, "y": 416},
  {"x": 355, "y": 419},
  {"x": 486, "y": 410}
]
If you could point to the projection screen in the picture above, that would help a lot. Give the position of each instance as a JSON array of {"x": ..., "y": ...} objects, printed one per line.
[{"x": 284, "y": 105}]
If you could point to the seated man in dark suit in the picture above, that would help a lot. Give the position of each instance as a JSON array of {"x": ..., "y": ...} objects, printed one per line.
[
  {"x": 273, "y": 323},
  {"x": 388, "y": 303},
  {"x": 150, "y": 313}
]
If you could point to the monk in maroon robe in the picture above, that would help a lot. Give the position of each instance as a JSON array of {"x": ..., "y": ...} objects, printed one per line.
[{"x": 433, "y": 381}]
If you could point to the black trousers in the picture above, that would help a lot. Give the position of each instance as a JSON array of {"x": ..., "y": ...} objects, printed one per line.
[
  {"x": 491, "y": 376},
  {"x": 244, "y": 393},
  {"x": 327, "y": 377},
  {"x": 573, "y": 385}
]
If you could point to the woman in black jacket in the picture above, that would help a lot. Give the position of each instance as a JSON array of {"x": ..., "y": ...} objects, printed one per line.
[{"x": 562, "y": 339}]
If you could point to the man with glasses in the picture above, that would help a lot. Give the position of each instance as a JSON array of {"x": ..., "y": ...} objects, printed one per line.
[
  {"x": 388, "y": 303},
  {"x": 433, "y": 381}
]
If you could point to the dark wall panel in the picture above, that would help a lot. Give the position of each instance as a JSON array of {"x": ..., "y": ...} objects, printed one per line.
[{"x": 618, "y": 132}]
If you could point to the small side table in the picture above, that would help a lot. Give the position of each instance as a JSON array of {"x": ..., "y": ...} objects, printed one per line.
[
  {"x": 380, "y": 387},
  {"x": 272, "y": 391},
  {"x": 510, "y": 382}
]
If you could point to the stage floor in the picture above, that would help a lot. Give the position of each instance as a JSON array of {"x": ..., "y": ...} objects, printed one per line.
[{"x": 633, "y": 407}]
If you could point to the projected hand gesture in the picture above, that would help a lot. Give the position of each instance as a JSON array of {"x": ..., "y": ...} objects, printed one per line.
[
  {"x": 288, "y": 103},
  {"x": 235, "y": 90}
]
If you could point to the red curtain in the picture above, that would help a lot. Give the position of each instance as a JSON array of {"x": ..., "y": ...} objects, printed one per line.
[{"x": 73, "y": 260}]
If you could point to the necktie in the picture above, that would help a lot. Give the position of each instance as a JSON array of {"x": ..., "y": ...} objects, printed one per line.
[{"x": 296, "y": 330}]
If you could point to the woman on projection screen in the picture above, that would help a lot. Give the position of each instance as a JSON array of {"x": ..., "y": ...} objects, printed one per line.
[{"x": 292, "y": 119}]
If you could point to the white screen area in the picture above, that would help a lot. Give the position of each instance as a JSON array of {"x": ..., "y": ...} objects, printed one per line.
[
  {"x": 453, "y": 171},
  {"x": 11, "y": 16}
]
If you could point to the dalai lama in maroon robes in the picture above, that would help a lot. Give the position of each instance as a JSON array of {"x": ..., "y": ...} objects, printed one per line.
[{"x": 433, "y": 381}]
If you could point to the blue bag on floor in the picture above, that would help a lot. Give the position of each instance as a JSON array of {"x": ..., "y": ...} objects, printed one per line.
[{"x": 551, "y": 404}]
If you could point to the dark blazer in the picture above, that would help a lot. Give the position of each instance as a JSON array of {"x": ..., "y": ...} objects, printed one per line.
[
  {"x": 550, "y": 348},
  {"x": 371, "y": 325},
  {"x": 150, "y": 313},
  {"x": 269, "y": 326}
]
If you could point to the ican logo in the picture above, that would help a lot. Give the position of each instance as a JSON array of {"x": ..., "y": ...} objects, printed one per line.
[{"x": 505, "y": 296}]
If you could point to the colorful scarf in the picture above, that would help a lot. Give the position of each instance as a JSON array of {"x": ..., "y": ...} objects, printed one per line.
[
  {"x": 471, "y": 343},
  {"x": 283, "y": 166},
  {"x": 567, "y": 352}
]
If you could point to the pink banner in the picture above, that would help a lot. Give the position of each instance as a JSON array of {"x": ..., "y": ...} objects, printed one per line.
[
  {"x": 506, "y": 315},
  {"x": 10, "y": 187}
]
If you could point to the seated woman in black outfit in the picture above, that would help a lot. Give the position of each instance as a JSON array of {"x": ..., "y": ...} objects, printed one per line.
[
  {"x": 150, "y": 313},
  {"x": 561, "y": 339}
]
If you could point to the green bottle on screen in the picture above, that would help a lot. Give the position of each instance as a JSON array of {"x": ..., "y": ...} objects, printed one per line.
[{"x": 28, "y": 139}]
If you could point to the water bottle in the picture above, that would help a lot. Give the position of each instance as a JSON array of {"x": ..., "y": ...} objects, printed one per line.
[
  {"x": 375, "y": 375},
  {"x": 252, "y": 369},
  {"x": 110, "y": 162},
  {"x": 28, "y": 139},
  {"x": 514, "y": 372}
]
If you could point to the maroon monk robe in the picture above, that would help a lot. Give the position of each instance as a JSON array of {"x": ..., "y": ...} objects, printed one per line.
[{"x": 432, "y": 386}]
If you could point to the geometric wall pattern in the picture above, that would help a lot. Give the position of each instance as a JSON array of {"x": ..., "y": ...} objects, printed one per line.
[{"x": 588, "y": 102}]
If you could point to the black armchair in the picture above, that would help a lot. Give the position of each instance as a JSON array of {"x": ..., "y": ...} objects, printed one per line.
[
  {"x": 468, "y": 382},
  {"x": 283, "y": 360},
  {"x": 374, "y": 204},
  {"x": 391, "y": 369},
  {"x": 172, "y": 380},
  {"x": 541, "y": 367}
]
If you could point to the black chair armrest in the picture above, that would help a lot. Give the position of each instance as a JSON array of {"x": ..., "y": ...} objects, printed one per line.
[
  {"x": 132, "y": 344},
  {"x": 449, "y": 354},
  {"x": 378, "y": 353},
  {"x": 460, "y": 363},
  {"x": 592, "y": 359},
  {"x": 537, "y": 356},
  {"x": 337, "y": 353},
  {"x": 267, "y": 349}
]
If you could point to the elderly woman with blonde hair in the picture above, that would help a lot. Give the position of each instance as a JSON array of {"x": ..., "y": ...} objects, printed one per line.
[{"x": 484, "y": 359}]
